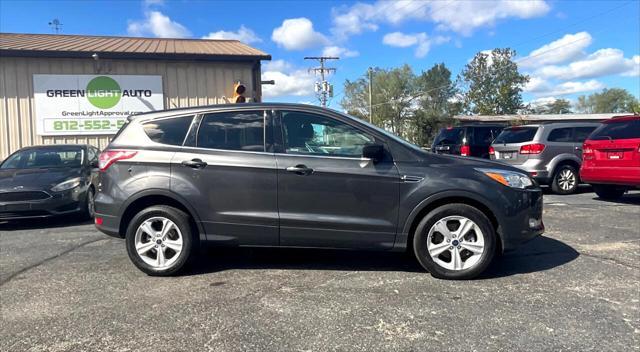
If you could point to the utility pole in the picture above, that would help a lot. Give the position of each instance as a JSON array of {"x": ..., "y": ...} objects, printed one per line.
[
  {"x": 324, "y": 89},
  {"x": 370, "y": 89},
  {"x": 55, "y": 25}
]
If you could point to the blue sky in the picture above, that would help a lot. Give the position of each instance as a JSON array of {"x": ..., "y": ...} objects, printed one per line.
[{"x": 568, "y": 48}]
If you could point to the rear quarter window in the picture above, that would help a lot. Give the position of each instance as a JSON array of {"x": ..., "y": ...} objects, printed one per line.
[
  {"x": 629, "y": 129},
  {"x": 170, "y": 131},
  {"x": 516, "y": 135}
]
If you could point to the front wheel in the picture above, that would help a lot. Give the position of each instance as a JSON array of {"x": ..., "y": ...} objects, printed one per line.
[
  {"x": 455, "y": 241},
  {"x": 609, "y": 192},
  {"x": 160, "y": 241}
]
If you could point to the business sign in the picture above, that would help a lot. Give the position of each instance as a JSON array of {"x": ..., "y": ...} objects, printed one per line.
[{"x": 92, "y": 104}]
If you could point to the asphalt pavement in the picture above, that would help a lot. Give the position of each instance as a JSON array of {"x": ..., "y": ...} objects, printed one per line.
[{"x": 66, "y": 287}]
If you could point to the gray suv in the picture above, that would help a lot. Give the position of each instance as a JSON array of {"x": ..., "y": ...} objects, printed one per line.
[
  {"x": 551, "y": 153},
  {"x": 301, "y": 176}
]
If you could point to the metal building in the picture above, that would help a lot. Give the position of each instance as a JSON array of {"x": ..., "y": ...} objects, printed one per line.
[{"x": 78, "y": 89}]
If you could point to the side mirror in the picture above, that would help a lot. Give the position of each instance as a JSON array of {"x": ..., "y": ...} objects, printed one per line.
[
  {"x": 374, "y": 152},
  {"x": 93, "y": 164}
]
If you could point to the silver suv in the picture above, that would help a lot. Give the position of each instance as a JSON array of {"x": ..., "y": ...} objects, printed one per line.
[{"x": 551, "y": 152}]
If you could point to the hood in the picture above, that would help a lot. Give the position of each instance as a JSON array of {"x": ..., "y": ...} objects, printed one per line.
[
  {"x": 446, "y": 160},
  {"x": 35, "y": 178}
]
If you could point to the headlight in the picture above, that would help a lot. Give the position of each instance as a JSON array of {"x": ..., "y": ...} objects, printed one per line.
[
  {"x": 508, "y": 178},
  {"x": 68, "y": 184}
]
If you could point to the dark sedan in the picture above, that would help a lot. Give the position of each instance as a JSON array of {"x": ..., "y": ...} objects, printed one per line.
[{"x": 44, "y": 181}]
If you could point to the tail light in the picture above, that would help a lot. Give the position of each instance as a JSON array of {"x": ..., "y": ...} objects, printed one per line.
[
  {"x": 465, "y": 150},
  {"x": 492, "y": 151},
  {"x": 587, "y": 152},
  {"x": 108, "y": 157},
  {"x": 536, "y": 148}
]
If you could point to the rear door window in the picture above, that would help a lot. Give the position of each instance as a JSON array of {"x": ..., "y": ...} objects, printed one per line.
[
  {"x": 170, "y": 131},
  {"x": 516, "y": 135},
  {"x": 452, "y": 135},
  {"x": 242, "y": 131},
  {"x": 561, "y": 135},
  {"x": 629, "y": 129}
]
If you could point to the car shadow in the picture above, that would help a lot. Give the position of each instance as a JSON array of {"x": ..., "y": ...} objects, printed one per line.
[
  {"x": 546, "y": 190},
  {"x": 631, "y": 198},
  {"x": 550, "y": 253},
  {"x": 43, "y": 223},
  {"x": 540, "y": 254}
]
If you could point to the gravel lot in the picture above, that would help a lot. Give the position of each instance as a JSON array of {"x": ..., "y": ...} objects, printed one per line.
[{"x": 66, "y": 287}]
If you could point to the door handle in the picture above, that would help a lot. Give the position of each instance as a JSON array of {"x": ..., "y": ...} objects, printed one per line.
[
  {"x": 194, "y": 163},
  {"x": 300, "y": 170}
]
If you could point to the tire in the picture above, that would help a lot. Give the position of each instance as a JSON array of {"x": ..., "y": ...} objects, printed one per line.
[
  {"x": 565, "y": 180},
  {"x": 609, "y": 192},
  {"x": 423, "y": 241},
  {"x": 88, "y": 210},
  {"x": 152, "y": 241}
]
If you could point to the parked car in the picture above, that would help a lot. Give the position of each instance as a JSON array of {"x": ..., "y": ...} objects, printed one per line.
[
  {"x": 612, "y": 157},
  {"x": 551, "y": 153},
  {"x": 295, "y": 175},
  {"x": 470, "y": 140},
  {"x": 48, "y": 180}
]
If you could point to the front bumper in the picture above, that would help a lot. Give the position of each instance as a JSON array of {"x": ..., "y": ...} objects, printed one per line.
[
  {"x": 523, "y": 219},
  {"x": 59, "y": 203}
]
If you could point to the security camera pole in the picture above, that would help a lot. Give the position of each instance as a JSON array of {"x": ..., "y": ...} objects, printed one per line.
[{"x": 323, "y": 88}]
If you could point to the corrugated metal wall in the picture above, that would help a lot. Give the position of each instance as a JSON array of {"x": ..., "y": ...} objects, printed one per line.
[{"x": 185, "y": 84}]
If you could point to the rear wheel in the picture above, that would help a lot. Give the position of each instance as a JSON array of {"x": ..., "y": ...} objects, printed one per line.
[
  {"x": 609, "y": 192},
  {"x": 565, "y": 180},
  {"x": 455, "y": 241},
  {"x": 160, "y": 240}
]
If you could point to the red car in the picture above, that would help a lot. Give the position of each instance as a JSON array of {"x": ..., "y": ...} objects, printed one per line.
[{"x": 611, "y": 157}]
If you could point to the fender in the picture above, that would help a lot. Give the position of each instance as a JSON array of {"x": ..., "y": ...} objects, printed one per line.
[
  {"x": 559, "y": 159},
  {"x": 402, "y": 237},
  {"x": 169, "y": 194}
]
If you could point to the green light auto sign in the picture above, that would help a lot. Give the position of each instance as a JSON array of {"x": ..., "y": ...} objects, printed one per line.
[
  {"x": 103, "y": 92},
  {"x": 92, "y": 104}
]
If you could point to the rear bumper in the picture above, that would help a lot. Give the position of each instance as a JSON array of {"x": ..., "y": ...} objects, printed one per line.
[
  {"x": 523, "y": 220},
  {"x": 627, "y": 176},
  {"x": 61, "y": 203},
  {"x": 109, "y": 225}
]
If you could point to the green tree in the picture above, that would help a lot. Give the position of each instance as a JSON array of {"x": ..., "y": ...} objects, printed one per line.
[
  {"x": 558, "y": 106},
  {"x": 437, "y": 104},
  {"x": 393, "y": 93},
  {"x": 614, "y": 100},
  {"x": 493, "y": 85}
]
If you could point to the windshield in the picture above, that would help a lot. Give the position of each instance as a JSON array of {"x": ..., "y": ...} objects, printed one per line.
[
  {"x": 516, "y": 135},
  {"x": 449, "y": 136},
  {"x": 44, "y": 158}
]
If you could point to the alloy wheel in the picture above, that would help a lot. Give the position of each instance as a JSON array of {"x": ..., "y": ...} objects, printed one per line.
[
  {"x": 567, "y": 180},
  {"x": 455, "y": 243},
  {"x": 158, "y": 242}
]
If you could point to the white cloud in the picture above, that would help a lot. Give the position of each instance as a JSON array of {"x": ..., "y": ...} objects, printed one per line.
[
  {"x": 153, "y": 2},
  {"x": 339, "y": 52},
  {"x": 298, "y": 34},
  {"x": 288, "y": 81},
  {"x": 459, "y": 16},
  {"x": 565, "y": 49},
  {"x": 157, "y": 24},
  {"x": 635, "y": 67},
  {"x": 542, "y": 88},
  {"x": 603, "y": 62},
  {"x": 243, "y": 34},
  {"x": 420, "y": 40}
]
